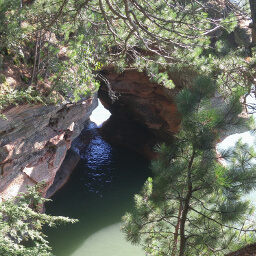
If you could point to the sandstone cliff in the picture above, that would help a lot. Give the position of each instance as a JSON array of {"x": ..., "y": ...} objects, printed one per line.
[
  {"x": 34, "y": 140},
  {"x": 142, "y": 101}
]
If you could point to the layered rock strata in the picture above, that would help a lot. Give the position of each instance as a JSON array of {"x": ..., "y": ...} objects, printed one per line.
[{"x": 34, "y": 140}]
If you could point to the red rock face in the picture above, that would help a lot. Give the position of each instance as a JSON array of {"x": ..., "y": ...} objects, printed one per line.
[
  {"x": 142, "y": 101},
  {"x": 34, "y": 140},
  {"x": 144, "y": 113}
]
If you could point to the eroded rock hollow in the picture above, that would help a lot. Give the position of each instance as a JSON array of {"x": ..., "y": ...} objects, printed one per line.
[
  {"x": 34, "y": 139},
  {"x": 143, "y": 113}
]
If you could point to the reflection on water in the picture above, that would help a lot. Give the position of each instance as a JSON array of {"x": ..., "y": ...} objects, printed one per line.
[
  {"x": 99, "y": 192},
  {"x": 96, "y": 157}
]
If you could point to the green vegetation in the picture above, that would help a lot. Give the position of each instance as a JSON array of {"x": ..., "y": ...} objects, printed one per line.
[
  {"x": 10, "y": 96},
  {"x": 21, "y": 222},
  {"x": 53, "y": 65},
  {"x": 70, "y": 41},
  {"x": 193, "y": 204},
  {"x": 2, "y": 78}
]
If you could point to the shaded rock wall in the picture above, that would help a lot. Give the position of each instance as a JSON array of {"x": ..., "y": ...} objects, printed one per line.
[
  {"x": 131, "y": 135},
  {"x": 34, "y": 140},
  {"x": 142, "y": 101},
  {"x": 68, "y": 165}
]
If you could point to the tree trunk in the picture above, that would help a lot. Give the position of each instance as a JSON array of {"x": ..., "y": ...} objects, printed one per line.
[
  {"x": 177, "y": 228},
  {"x": 39, "y": 56},
  {"x": 20, "y": 11},
  {"x": 253, "y": 24},
  {"x": 183, "y": 238},
  {"x": 35, "y": 60}
]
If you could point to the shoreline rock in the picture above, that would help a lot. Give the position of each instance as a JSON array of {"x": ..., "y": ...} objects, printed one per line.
[
  {"x": 34, "y": 140},
  {"x": 68, "y": 165}
]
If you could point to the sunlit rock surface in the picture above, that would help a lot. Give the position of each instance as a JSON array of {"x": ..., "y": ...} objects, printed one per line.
[{"x": 34, "y": 140}]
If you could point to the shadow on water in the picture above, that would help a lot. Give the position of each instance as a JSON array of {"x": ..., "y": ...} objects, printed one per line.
[{"x": 98, "y": 193}]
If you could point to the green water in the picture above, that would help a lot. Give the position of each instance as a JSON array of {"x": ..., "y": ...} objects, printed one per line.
[{"x": 98, "y": 193}]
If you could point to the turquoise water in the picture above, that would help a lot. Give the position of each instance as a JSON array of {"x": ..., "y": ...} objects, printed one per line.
[{"x": 99, "y": 192}]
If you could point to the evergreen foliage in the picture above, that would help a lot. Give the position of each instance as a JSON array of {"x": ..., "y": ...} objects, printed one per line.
[
  {"x": 21, "y": 223},
  {"x": 153, "y": 36},
  {"x": 60, "y": 55},
  {"x": 10, "y": 33},
  {"x": 194, "y": 205}
]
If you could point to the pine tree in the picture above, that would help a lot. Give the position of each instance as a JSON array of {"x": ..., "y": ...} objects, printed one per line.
[
  {"x": 193, "y": 205},
  {"x": 21, "y": 223}
]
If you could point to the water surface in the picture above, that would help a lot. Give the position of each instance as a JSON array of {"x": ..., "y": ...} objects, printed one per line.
[{"x": 99, "y": 192}]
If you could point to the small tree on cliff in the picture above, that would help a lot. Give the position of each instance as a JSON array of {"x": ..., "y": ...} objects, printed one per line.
[
  {"x": 21, "y": 223},
  {"x": 193, "y": 206}
]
